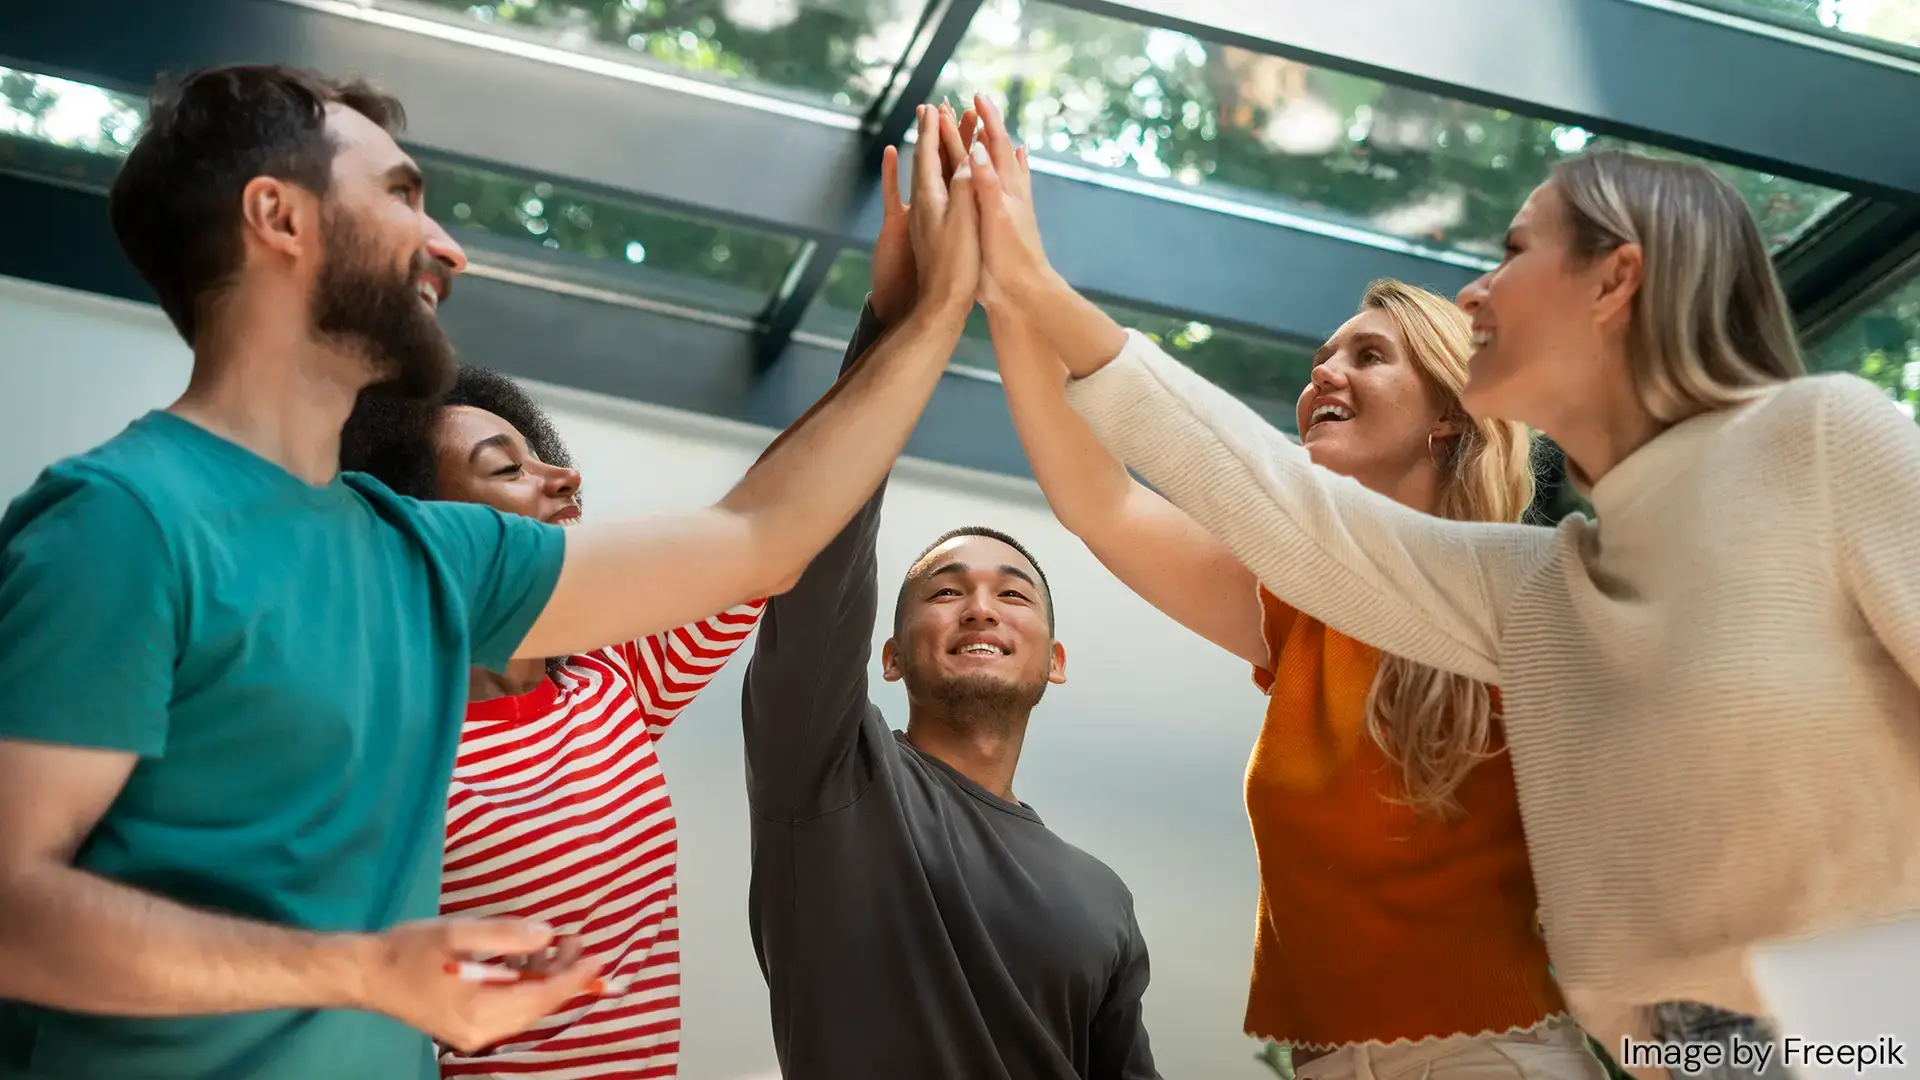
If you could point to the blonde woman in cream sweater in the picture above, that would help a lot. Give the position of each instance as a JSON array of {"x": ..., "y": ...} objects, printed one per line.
[{"x": 1710, "y": 691}]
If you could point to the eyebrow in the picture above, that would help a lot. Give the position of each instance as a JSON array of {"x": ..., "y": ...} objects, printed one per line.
[
  {"x": 407, "y": 173},
  {"x": 488, "y": 443},
  {"x": 1365, "y": 337},
  {"x": 961, "y": 568}
]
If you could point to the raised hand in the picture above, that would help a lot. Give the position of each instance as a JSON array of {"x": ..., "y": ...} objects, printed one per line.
[
  {"x": 942, "y": 220},
  {"x": 895, "y": 284},
  {"x": 895, "y": 280},
  {"x": 413, "y": 973},
  {"x": 1013, "y": 262}
]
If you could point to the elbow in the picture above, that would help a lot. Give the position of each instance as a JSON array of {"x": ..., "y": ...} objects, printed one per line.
[
  {"x": 1088, "y": 519},
  {"x": 777, "y": 568},
  {"x": 781, "y": 584}
]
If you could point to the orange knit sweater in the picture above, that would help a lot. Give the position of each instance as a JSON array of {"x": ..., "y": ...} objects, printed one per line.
[{"x": 1377, "y": 923}]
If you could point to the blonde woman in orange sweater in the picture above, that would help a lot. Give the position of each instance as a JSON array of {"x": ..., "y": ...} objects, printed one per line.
[{"x": 1396, "y": 931}]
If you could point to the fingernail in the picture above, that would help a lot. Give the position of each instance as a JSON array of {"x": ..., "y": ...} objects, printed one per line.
[
  {"x": 597, "y": 987},
  {"x": 980, "y": 153},
  {"x": 451, "y": 967}
]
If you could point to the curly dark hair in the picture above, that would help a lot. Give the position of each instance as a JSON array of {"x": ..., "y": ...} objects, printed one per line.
[{"x": 392, "y": 438}]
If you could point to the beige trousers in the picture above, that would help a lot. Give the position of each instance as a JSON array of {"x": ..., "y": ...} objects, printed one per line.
[{"x": 1555, "y": 1052}]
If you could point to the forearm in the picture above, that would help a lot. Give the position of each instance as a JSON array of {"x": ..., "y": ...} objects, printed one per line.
[
  {"x": 1153, "y": 547},
  {"x": 1082, "y": 480},
  {"x": 804, "y": 490},
  {"x": 1428, "y": 589},
  {"x": 1084, "y": 337},
  {"x": 75, "y": 941}
]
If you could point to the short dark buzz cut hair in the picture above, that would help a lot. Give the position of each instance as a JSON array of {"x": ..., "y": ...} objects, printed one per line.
[
  {"x": 914, "y": 572},
  {"x": 392, "y": 439},
  {"x": 175, "y": 206}
]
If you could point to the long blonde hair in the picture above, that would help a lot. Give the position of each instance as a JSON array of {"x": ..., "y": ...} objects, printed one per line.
[
  {"x": 1434, "y": 725},
  {"x": 1709, "y": 326}
]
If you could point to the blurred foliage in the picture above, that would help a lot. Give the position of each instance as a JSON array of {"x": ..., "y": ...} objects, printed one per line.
[
  {"x": 1352, "y": 150},
  {"x": 837, "y": 52},
  {"x": 538, "y": 212},
  {"x": 1093, "y": 89},
  {"x": 1882, "y": 344}
]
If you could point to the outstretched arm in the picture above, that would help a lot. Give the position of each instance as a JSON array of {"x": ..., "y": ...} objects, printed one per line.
[
  {"x": 626, "y": 580},
  {"x": 806, "y": 686},
  {"x": 667, "y": 671},
  {"x": 1151, "y": 545},
  {"x": 1428, "y": 589}
]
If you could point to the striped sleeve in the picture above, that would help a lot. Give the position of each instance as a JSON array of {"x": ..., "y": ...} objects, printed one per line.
[{"x": 668, "y": 670}]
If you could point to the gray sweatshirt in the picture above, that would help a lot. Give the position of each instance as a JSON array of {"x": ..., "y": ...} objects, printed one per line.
[{"x": 912, "y": 925}]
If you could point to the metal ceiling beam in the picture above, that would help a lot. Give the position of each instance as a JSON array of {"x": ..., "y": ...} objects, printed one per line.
[
  {"x": 1661, "y": 71},
  {"x": 1844, "y": 264},
  {"x": 710, "y": 149},
  {"x": 720, "y": 154},
  {"x": 60, "y": 236}
]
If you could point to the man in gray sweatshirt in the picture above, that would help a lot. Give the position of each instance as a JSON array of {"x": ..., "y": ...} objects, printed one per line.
[{"x": 914, "y": 920}]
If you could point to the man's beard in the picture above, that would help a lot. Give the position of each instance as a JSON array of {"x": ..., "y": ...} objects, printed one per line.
[
  {"x": 975, "y": 702},
  {"x": 362, "y": 305}
]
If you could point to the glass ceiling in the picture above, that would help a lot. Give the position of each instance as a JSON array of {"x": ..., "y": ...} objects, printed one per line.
[
  {"x": 1881, "y": 344},
  {"x": 834, "y": 53},
  {"x": 1870, "y": 21},
  {"x": 1099, "y": 91},
  {"x": 1090, "y": 93},
  {"x": 1264, "y": 371}
]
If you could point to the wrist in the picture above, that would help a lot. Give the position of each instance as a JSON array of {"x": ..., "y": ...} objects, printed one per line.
[
  {"x": 344, "y": 970},
  {"x": 888, "y": 309},
  {"x": 944, "y": 310},
  {"x": 1040, "y": 289}
]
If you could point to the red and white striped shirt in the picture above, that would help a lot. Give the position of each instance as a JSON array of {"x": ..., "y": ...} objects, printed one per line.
[{"x": 558, "y": 811}]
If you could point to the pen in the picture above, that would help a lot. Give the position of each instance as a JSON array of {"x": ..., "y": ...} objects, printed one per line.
[{"x": 469, "y": 971}]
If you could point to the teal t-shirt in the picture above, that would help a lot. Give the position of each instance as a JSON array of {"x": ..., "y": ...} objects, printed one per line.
[{"x": 290, "y": 664}]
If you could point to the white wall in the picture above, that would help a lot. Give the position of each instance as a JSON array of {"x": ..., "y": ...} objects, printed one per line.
[{"x": 1138, "y": 758}]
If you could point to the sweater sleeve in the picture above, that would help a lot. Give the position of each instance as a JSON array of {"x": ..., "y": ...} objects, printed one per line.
[
  {"x": 1869, "y": 457},
  {"x": 1428, "y": 589}
]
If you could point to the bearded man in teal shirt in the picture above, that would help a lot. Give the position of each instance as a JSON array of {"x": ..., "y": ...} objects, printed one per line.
[{"x": 231, "y": 679}]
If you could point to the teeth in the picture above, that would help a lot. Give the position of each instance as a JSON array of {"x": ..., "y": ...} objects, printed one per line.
[
  {"x": 1332, "y": 411},
  {"x": 429, "y": 294},
  {"x": 983, "y": 649},
  {"x": 1482, "y": 338}
]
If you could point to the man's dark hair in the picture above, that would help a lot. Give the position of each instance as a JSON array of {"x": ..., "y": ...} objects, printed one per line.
[
  {"x": 176, "y": 204},
  {"x": 393, "y": 438},
  {"x": 915, "y": 573}
]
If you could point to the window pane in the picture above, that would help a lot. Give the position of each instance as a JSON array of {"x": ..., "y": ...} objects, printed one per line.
[
  {"x": 837, "y": 53},
  {"x": 1897, "y": 21},
  {"x": 57, "y": 129},
  {"x": 1162, "y": 105},
  {"x": 1881, "y": 344},
  {"x": 1265, "y": 372},
  {"x": 559, "y": 232}
]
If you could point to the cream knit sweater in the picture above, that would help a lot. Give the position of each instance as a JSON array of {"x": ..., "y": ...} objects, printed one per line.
[{"x": 1710, "y": 694}]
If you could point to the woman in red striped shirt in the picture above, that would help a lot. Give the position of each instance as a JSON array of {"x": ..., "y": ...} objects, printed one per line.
[{"x": 558, "y": 810}]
